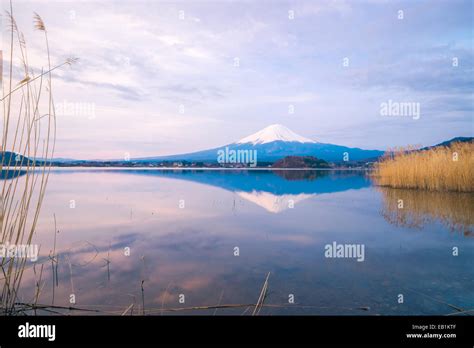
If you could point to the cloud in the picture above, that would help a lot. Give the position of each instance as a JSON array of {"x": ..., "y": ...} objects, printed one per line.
[{"x": 140, "y": 61}]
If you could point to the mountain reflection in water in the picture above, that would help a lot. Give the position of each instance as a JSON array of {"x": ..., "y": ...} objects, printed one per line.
[{"x": 281, "y": 221}]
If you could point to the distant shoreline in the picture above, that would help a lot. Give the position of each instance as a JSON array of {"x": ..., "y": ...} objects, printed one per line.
[{"x": 193, "y": 168}]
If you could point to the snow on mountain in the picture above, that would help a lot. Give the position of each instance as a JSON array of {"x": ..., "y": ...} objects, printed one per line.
[
  {"x": 275, "y": 132},
  {"x": 271, "y": 202}
]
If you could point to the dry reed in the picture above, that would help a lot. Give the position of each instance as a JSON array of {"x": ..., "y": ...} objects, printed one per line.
[
  {"x": 443, "y": 168},
  {"x": 28, "y": 132}
]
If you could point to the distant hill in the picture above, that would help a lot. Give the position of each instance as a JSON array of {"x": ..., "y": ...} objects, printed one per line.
[
  {"x": 300, "y": 162},
  {"x": 449, "y": 142},
  {"x": 9, "y": 158}
]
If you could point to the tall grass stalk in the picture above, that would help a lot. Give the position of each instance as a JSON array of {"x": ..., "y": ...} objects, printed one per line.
[{"x": 28, "y": 133}]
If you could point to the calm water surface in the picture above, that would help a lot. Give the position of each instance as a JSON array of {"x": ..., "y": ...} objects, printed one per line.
[{"x": 182, "y": 228}]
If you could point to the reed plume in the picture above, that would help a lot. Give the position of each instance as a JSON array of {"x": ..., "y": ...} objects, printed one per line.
[{"x": 27, "y": 149}]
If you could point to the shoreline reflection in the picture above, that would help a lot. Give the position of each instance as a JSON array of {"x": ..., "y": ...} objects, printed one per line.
[{"x": 416, "y": 208}]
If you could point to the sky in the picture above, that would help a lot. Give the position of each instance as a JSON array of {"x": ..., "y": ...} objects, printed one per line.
[{"x": 167, "y": 77}]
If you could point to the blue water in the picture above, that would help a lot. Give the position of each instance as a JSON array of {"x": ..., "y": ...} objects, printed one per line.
[{"x": 182, "y": 228}]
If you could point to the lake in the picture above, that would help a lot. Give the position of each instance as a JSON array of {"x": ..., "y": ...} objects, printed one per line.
[{"x": 176, "y": 239}]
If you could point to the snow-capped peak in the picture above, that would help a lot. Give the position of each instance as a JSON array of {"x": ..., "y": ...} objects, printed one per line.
[{"x": 275, "y": 132}]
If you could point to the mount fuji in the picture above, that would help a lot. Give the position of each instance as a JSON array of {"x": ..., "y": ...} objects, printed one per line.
[{"x": 273, "y": 143}]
